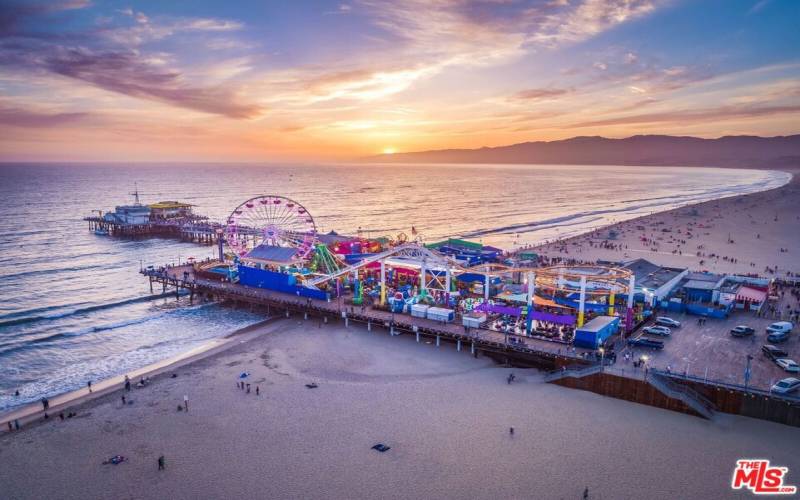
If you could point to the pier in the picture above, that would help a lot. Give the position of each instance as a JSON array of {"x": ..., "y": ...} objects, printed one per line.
[
  {"x": 570, "y": 367},
  {"x": 202, "y": 232}
]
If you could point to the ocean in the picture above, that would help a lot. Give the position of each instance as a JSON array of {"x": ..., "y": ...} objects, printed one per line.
[{"x": 74, "y": 308}]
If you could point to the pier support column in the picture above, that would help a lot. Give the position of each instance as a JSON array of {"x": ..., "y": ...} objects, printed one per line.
[
  {"x": 458, "y": 346},
  {"x": 582, "y": 303},
  {"x": 151, "y": 284},
  {"x": 383, "y": 283},
  {"x": 305, "y": 315},
  {"x": 325, "y": 320},
  {"x": 438, "y": 341},
  {"x": 391, "y": 330},
  {"x": 531, "y": 287},
  {"x": 287, "y": 313},
  {"x": 629, "y": 312},
  {"x": 422, "y": 273},
  {"x": 417, "y": 337},
  {"x": 346, "y": 322},
  {"x": 369, "y": 326},
  {"x": 472, "y": 348},
  {"x": 486, "y": 285}
]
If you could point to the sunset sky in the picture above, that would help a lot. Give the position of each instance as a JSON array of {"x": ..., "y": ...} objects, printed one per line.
[{"x": 276, "y": 80}]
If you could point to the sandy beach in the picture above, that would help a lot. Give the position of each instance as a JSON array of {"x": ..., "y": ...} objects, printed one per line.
[
  {"x": 445, "y": 415},
  {"x": 757, "y": 233}
]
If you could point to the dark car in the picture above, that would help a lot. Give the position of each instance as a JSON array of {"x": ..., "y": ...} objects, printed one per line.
[
  {"x": 773, "y": 352},
  {"x": 648, "y": 343},
  {"x": 742, "y": 331}
]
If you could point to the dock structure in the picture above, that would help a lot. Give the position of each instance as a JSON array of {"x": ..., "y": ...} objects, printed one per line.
[
  {"x": 528, "y": 352},
  {"x": 197, "y": 231},
  {"x": 570, "y": 367}
]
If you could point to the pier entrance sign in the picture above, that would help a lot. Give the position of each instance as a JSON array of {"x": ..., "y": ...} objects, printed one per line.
[{"x": 761, "y": 478}]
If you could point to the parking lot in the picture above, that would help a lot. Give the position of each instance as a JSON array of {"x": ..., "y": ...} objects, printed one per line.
[{"x": 709, "y": 350}]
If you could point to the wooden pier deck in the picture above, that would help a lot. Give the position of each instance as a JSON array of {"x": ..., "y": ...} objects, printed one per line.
[
  {"x": 520, "y": 350},
  {"x": 197, "y": 231},
  {"x": 569, "y": 367}
]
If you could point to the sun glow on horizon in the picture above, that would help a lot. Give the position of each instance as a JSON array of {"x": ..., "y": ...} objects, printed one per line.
[{"x": 389, "y": 151}]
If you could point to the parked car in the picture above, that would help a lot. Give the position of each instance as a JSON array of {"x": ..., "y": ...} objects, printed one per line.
[
  {"x": 742, "y": 331},
  {"x": 778, "y": 337},
  {"x": 786, "y": 385},
  {"x": 661, "y": 331},
  {"x": 665, "y": 321},
  {"x": 644, "y": 342},
  {"x": 780, "y": 327},
  {"x": 788, "y": 365},
  {"x": 773, "y": 352}
]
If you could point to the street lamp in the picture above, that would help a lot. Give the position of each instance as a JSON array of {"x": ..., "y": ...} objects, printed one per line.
[
  {"x": 644, "y": 359},
  {"x": 602, "y": 357},
  {"x": 747, "y": 372}
]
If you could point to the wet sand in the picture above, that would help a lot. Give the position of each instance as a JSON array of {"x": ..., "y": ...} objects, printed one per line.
[
  {"x": 445, "y": 415},
  {"x": 759, "y": 225}
]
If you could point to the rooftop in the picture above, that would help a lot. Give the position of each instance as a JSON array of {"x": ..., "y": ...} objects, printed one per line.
[
  {"x": 649, "y": 275},
  {"x": 272, "y": 254},
  {"x": 700, "y": 285},
  {"x": 165, "y": 205}
]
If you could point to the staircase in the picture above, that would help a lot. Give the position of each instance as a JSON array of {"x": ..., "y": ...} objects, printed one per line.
[
  {"x": 687, "y": 395},
  {"x": 576, "y": 371}
]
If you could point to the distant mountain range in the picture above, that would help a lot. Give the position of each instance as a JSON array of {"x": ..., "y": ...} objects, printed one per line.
[{"x": 729, "y": 151}]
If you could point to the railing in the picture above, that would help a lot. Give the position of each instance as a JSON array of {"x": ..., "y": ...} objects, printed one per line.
[
  {"x": 573, "y": 372},
  {"x": 682, "y": 393},
  {"x": 726, "y": 385}
]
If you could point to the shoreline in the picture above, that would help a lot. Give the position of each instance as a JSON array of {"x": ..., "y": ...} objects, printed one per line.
[
  {"x": 443, "y": 413},
  {"x": 559, "y": 247},
  {"x": 794, "y": 177},
  {"x": 33, "y": 414}
]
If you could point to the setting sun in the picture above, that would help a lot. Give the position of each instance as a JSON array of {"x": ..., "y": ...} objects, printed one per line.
[{"x": 389, "y": 151}]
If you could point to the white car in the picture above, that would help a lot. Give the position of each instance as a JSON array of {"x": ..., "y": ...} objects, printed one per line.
[
  {"x": 788, "y": 365},
  {"x": 661, "y": 331},
  {"x": 665, "y": 321},
  {"x": 786, "y": 385},
  {"x": 780, "y": 327}
]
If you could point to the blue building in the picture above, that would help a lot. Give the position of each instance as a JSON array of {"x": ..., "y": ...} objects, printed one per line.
[{"x": 594, "y": 333}]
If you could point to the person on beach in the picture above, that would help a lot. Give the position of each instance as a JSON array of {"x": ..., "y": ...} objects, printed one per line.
[
  {"x": 127, "y": 383},
  {"x": 585, "y": 493},
  {"x": 161, "y": 461},
  {"x": 10, "y": 428},
  {"x": 248, "y": 388},
  {"x": 16, "y": 393},
  {"x": 16, "y": 424},
  {"x": 123, "y": 400},
  {"x": 258, "y": 391},
  {"x": 89, "y": 384}
]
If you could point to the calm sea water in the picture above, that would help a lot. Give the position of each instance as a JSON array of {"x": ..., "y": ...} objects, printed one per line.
[{"x": 73, "y": 307}]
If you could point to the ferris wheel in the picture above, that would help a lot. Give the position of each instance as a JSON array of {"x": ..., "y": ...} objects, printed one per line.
[{"x": 271, "y": 220}]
